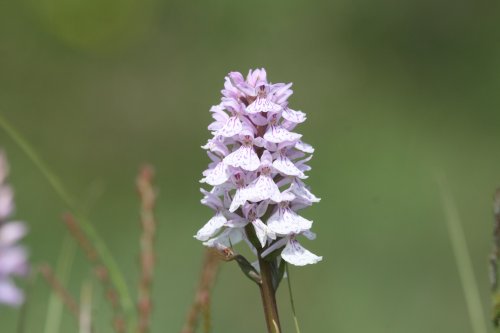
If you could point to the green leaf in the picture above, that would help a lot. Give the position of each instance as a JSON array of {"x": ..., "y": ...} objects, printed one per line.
[{"x": 247, "y": 269}]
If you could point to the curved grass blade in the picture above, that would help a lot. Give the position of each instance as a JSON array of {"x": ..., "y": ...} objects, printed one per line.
[
  {"x": 63, "y": 270},
  {"x": 297, "y": 329},
  {"x": 462, "y": 258}
]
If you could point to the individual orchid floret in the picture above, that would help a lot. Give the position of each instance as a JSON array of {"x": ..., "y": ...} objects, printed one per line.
[
  {"x": 258, "y": 166},
  {"x": 285, "y": 221},
  {"x": 264, "y": 187},
  {"x": 293, "y": 252},
  {"x": 245, "y": 156},
  {"x": 13, "y": 257},
  {"x": 253, "y": 213},
  {"x": 276, "y": 133}
]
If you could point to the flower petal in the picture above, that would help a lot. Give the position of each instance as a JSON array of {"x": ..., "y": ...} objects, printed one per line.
[
  {"x": 263, "y": 232},
  {"x": 10, "y": 294},
  {"x": 263, "y": 105},
  {"x": 244, "y": 157},
  {"x": 294, "y": 116},
  {"x": 278, "y": 134},
  {"x": 13, "y": 261},
  {"x": 301, "y": 191},
  {"x": 232, "y": 127},
  {"x": 260, "y": 231},
  {"x": 287, "y": 167},
  {"x": 238, "y": 200},
  {"x": 218, "y": 175},
  {"x": 286, "y": 222},
  {"x": 305, "y": 147},
  {"x": 227, "y": 238},
  {"x": 295, "y": 254},
  {"x": 276, "y": 245},
  {"x": 11, "y": 232},
  {"x": 211, "y": 227},
  {"x": 262, "y": 188}
]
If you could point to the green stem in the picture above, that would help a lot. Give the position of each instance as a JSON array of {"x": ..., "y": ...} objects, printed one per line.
[
  {"x": 115, "y": 274},
  {"x": 268, "y": 295},
  {"x": 267, "y": 291}
]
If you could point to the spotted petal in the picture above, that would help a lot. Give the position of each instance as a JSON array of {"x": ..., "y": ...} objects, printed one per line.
[
  {"x": 232, "y": 127},
  {"x": 263, "y": 105},
  {"x": 211, "y": 227},
  {"x": 295, "y": 254},
  {"x": 278, "y": 134},
  {"x": 301, "y": 191},
  {"x": 262, "y": 188},
  {"x": 244, "y": 157},
  {"x": 287, "y": 167},
  {"x": 286, "y": 222},
  {"x": 294, "y": 116},
  {"x": 218, "y": 175},
  {"x": 238, "y": 200}
]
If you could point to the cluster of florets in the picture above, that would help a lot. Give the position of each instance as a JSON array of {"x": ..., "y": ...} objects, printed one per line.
[
  {"x": 13, "y": 257},
  {"x": 258, "y": 164}
]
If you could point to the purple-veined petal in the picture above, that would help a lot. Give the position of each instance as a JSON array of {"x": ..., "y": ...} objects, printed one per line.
[
  {"x": 301, "y": 191},
  {"x": 297, "y": 255},
  {"x": 211, "y": 227},
  {"x": 244, "y": 157},
  {"x": 262, "y": 188},
  {"x": 278, "y": 134},
  {"x": 285, "y": 222},
  {"x": 294, "y": 116},
  {"x": 238, "y": 200},
  {"x": 263, "y": 105},
  {"x": 287, "y": 167},
  {"x": 218, "y": 175},
  {"x": 306, "y": 148},
  {"x": 232, "y": 127}
]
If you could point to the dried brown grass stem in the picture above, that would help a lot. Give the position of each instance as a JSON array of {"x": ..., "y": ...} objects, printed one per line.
[
  {"x": 147, "y": 196},
  {"x": 201, "y": 303}
]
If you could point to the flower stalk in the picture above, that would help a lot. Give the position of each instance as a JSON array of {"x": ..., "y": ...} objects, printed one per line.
[
  {"x": 258, "y": 166},
  {"x": 268, "y": 295}
]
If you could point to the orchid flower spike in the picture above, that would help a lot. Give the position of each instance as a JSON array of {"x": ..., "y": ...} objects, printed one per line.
[
  {"x": 257, "y": 171},
  {"x": 13, "y": 257}
]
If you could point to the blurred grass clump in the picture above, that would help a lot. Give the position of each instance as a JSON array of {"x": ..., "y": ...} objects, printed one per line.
[{"x": 393, "y": 91}]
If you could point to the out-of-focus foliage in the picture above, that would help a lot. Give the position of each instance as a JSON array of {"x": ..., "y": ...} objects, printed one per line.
[{"x": 395, "y": 91}]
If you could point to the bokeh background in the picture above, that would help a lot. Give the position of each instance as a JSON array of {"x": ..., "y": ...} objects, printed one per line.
[{"x": 396, "y": 92}]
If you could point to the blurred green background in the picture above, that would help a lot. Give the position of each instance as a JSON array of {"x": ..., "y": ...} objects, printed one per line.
[{"x": 395, "y": 91}]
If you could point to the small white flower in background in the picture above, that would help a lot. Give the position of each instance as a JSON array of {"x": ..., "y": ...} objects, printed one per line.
[
  {"x": 13, "y": 257},
  {"x": 257, "y": 168}
]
